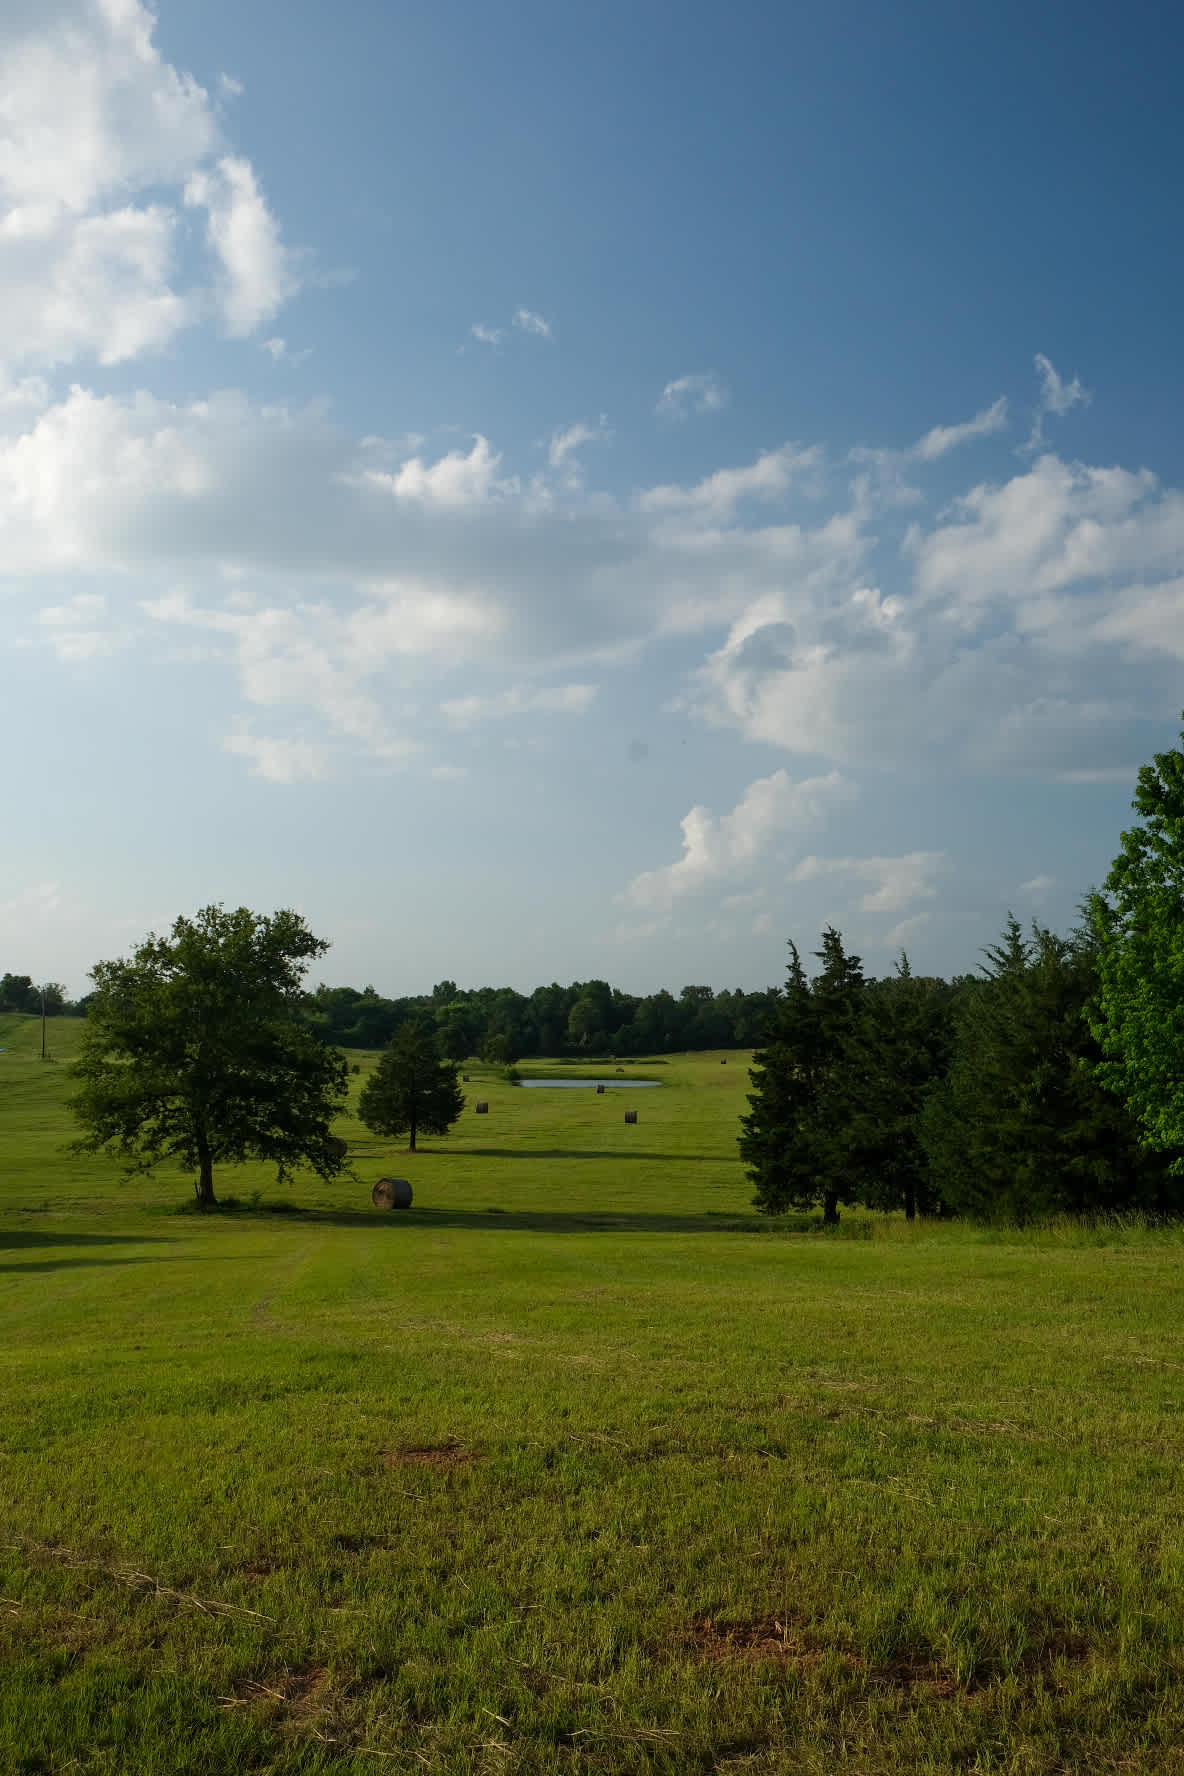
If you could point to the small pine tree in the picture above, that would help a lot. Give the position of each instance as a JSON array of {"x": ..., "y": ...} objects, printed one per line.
[
  {"x": 412, "y": 1091},
  {"x": 897, "y": 1054},
  {"x": 793, "y": 1141}
]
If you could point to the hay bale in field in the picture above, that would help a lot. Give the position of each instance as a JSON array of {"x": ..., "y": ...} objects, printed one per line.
[
  {"x": 483, "y": 1108},
  {"x": 631, "y": 1116},
  {"x": 724, "y": 1062},
  {"x": 599, "y": 1091},
  {"x": 620, "y": 1069},
  {"x": 391, "y": 1193}
]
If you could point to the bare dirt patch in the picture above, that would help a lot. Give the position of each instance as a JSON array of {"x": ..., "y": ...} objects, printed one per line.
[
  {"x": 296, "y": 1695},
  {"x": 439, "y": 1455}
]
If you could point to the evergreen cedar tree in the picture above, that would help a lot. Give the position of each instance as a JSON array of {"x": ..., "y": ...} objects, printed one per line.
[
  {"x": 838, "y": 1086},
  {"x": 986, "y": 1098},
  {"x": 1138, "y": 919},
  {"x": 412, "y": 1091},
  {"x": 196, "y": 1050}
]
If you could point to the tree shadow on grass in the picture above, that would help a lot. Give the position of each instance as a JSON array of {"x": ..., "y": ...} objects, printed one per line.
[
  {"x": 551, "y": 1221},
  {"x": 43, "y": 1264},
  {"x": 668, "y": 1158},
  {"x": 18, "y": 1239}
]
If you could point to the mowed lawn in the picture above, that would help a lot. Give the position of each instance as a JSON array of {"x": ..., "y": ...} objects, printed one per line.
[{"x": 571, "y": 1468}]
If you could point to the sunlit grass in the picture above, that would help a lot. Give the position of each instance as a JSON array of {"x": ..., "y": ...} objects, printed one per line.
[{"x": 559, "y": 1472}]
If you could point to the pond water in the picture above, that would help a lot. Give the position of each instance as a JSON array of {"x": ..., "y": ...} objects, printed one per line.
[{"x": 590, "y": 1084}]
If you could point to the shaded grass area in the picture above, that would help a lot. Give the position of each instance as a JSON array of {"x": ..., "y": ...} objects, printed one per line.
[{"x": 335, "y": 1491}]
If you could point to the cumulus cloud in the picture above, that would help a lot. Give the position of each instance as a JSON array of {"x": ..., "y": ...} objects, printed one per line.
[
  {"x": 570, "y": 699},
  {"x": 702, "y": 392},
  {"x": 721, "y": 849},
  {"x": 1033, "y": 623},
  {"x": 890, "y": 884},
  {"x": 99, "y": 137},
  {"x": 527, "y": 321},
  {"x": 257, "y": 276}
]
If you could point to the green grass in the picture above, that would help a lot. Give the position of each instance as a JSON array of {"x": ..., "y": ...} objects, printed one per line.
[{"x": 589, "y": 1484}]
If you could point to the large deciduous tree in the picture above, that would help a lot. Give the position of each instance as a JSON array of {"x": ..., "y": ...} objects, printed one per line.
[
  {"x": 197, "y": 1050},
  {"x": 412, "y": 1091},
  {"x": 1138, "y": 1013}
]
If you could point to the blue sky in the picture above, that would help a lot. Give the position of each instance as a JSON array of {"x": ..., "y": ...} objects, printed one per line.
[{"x": 554, "y": 492}]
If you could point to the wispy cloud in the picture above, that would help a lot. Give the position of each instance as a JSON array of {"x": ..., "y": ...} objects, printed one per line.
[
  {"x": 278, "y": 761},
  {"x": 1056, "y": 398},
  {"x": 702, "y": 392},
  {"x": 716, "y": 496},
  {"x": 570, "y": 699},
  {"x": 569, "y": 438},
  {"x": 892, "y": 883},
  {"x": 942, "y": 439},
  {"x": 487, "y": 335},
  {"x": 527, "y": 321}
]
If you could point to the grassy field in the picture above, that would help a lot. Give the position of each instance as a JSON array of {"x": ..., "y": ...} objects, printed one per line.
[{"x": 563, "y": 1471}]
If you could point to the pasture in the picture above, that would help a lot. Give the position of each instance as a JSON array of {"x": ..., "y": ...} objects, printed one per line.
[{"x": 575, "y": 1467}]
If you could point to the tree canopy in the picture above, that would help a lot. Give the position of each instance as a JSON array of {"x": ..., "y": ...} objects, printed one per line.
[
  {"x": 412, "y": 1091},
  {"x": 1138, "y": 1013},
  {"x": 196, "y": 1050}
]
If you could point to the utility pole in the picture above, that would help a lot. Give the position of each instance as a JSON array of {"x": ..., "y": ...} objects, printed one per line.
[{"x": 43, "y": 1020}]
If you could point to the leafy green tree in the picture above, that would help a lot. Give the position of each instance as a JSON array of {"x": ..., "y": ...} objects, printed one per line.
[
  {"x": 197, "y": 1050},
  {"x": 17, "y": 993},
  {"x": 1022, "y": 1127},
  {"x": 1138, "y": 1014},
  {"x": 412, "y": 1091}
]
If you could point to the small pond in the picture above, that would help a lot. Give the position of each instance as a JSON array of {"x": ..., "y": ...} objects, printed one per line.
[{"x": 591, "y": 1084}]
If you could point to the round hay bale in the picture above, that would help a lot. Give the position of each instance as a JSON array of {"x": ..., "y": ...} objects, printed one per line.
[
  {"x": 631, "y": 1116},
  {"x": 391, "y": 1193},
  {"x": 620, "y": 1069},
  {"x": 483, "y": 1108},
  {"x": 599, "y": 1091}
]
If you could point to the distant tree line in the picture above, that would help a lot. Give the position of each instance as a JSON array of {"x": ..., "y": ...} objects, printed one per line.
[
  {"x": 586, "y": 1017},
  {"x": 19, "y": 992}
]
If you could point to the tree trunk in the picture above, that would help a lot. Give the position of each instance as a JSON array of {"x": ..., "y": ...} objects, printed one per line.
[
  {"x": 204, "y": 1187},
  {"x": 910, "y": 1202},
  {"x": 830, "y": 1208},
  {"x": 411, "y": 1143}
]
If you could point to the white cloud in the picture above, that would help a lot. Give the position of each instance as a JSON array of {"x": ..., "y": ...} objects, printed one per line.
[
  {"x": 721, "y": 849},
  {"x": 569, "y": 438},
  {"x": 449, "y": 773},
  {"x": 459, "y": 479},
  {"x": 907, "y": 928},
  {"x": 702, "y": 392},
  {"x": 1038, "y": 888},
  {"x": 1056, "y": 398},
  {"x": 229, "y": 87},
  {"x": 942, "y": 439},
  {"x": 571, "y": 699},
  {"x": 99, "y": 136},
  {"x": 487, "y": 335},
  {"x": 278, "y": 761},
  {"x": 527, "y": 321},
  {"x": 716, "y": 496},
  {"x": 258, "y": 274},
  {"x": 893, "y": 883}
]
